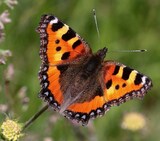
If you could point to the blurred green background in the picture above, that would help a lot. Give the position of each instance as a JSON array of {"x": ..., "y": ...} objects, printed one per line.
[{"x": 123, "y": 25}]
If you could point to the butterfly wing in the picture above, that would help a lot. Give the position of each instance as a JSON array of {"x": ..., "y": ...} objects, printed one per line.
[
  {"x": 59, "y": 43},
  {"x": 123, "y": 83},
  {"x": 59, "y": 46},
  {"x": 119, "y": 84}
]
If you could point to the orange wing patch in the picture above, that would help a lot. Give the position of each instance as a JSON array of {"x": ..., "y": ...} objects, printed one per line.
[
  {"x": 82, "y": 112},
  {"x": 54, "y": 85},
  {"x": 123, "y": 83},
  {"x": 49, "y": 80},
  {"x": 87, "y": 107}
]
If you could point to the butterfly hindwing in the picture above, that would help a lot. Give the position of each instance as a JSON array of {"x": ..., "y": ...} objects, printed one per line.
[
  {"x": 49, "y": 80},
  {"x": 82, "y": 112}
]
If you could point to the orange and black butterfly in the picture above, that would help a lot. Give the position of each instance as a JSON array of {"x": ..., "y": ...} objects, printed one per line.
[{"x": 80, "y": 84}]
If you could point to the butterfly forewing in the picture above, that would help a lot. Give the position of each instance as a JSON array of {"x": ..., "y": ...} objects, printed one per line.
[
  {"x": 123, "y": 83},
  {"x": 59, "y": 43}
]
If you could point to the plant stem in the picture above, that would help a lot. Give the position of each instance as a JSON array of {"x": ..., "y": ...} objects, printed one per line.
[{"x": 32, "y": 119}]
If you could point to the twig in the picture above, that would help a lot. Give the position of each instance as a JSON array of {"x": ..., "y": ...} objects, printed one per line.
[{"x": 32, "y": 119}]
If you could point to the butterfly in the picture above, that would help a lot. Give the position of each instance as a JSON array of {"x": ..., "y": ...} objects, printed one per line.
[{"x": 80, "y": 84}]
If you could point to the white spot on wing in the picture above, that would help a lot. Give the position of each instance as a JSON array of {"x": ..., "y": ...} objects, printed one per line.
[
  {"x": 92, "y": 114},
  {"x": 98, "y": 111},
  {"x": 143, "y": 79},
  {"x": 83, "y": 117},
  {"x": 55, "y": 104},
  {"x": 51, "y": 98},
  {"x": 45, "y": 84},
  {"x": 45, "y": 68},
  {"x": 46, "y": 93},
  {"x": 44, "y": 77},
  {"x": 54, "y": 21},
  {"x": 77, "y": 115}
]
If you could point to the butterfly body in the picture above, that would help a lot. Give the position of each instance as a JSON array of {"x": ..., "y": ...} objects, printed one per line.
[
  {"x": 81, "y": 81},
  {"x": 77, "y": 83}
]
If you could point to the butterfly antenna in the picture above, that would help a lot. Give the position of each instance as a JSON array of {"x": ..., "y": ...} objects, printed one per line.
[
  {"x": 96, "y": 24},
  {"x": 136, "y": 50},
  {"x": 98, "y": 34}
]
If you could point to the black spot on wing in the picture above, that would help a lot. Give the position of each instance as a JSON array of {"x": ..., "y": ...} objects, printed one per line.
[
  {"x": 75, "y": 44},
  {"x": 124, "y": 85},
  {"x": 116, "y": 70},
  {"x": 51, "y": 17},
  {"x": 126, "y": 72},
  {"x": 58, "y": 48},
  {"x": 57, "y": 41},
  {"x": 117, "y": 87},
  {"x": 57, "y": 26},
  {"x": 138, "y": 79},
  {"x": 68, "y": 35},
  {"x": 109, "y": 84},
  {"x": 65, "y": 56}
]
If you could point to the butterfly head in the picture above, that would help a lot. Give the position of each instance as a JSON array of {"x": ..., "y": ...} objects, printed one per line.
[{"x": 102, "y": 53}]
